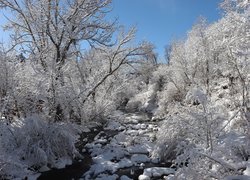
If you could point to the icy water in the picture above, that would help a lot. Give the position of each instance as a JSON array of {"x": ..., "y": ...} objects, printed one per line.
[
  {"x": 120, "y": 148},
  {"x": 78, "y": 167}
]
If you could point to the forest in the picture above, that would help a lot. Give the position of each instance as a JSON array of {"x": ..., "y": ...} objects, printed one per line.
[{"x": 113, "y": 110}]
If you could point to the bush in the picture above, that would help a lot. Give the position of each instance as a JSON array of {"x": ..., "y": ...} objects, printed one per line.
[{"x": 32, "y": 143}]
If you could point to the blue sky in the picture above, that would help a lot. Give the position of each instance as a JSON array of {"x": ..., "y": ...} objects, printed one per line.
[
  {"x": 158, "y": 21},
  {"x": 162, "y": 21},
  {"x": 3, "y": 35}
]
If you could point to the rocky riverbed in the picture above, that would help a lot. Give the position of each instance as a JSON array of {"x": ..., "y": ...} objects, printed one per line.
[{"x": 118, "y": 150}]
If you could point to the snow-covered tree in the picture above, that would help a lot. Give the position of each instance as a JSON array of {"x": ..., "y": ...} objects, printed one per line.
[
  {"x": 51, "y": 29},
  {"x": 212, "y": 67}
]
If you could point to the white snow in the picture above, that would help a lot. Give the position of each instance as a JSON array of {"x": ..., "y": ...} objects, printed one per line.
[
  {"x": 158, "y": 171},
  {"x": 107, "y": 177},
  {"x": 33, "y": 176},
  {"x": 131, "y": 146},
  {"x": 144, "y": 177},
  {"x": 123, "y": 163},
  {"x": 62, "y": 162},
  {"x": 114, "y": 125},
  {"x": 44, "y": 168},
  {"x": 239, "y": 177},
  {"x": 123, "y": 177},
  {"x": 140, "y": 158},
  {"x": 169, "y": 177},
  {"x": 140, "y": 149},
  {"x": 247, "y": 171}
]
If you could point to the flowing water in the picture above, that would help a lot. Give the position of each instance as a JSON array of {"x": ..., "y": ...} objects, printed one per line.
[{"x": 80, "y": 167}]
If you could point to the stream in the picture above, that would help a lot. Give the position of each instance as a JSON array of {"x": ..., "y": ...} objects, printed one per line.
[
  {"x": 78, "y": 167},
  {"x": 136, "y": 126}
]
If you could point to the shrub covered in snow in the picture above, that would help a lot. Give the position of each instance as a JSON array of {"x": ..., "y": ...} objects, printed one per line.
[{"x": 31, "y": 143}]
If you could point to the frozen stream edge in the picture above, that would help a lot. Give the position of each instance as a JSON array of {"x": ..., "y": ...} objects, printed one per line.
[
  {"x": 119, "y": 150},
  {"x": 127, "y": 152}
]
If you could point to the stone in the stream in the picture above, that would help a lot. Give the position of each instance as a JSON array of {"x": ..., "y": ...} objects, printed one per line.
[
  {"x": 123, "y": 177},
  {"x": 44, "y": 168},
  {"x": 98, "y": 145},
  {"x": 169, "y": 177},
  {"x": 138, "y": 149},
  {"x": 140, "y": 132},
  {"x": 136, "y": 126},
  {"x": 107, "y": 177},
  {"x": 143, "y": 126},
  {"x": 142, "y": 165},
  {"x": 154, "y": 118},
  {"x": 158, "y": 171},
  {"x": 85, "y": 140},
  {"x": 121, "y": 128},
  {"x": 88, "y": 145},
  {"x": 150, "y": 127},
  {"x": 101, "y": 141},
  {"x": 122, "y": 148},
  {"x": 143, "y": 177},
  {"x": 155, "y": 160},
  {"x": 135, "y": 121},
  {"x": 139, "y": 158},
  {"x": 84, "y": 150},
  {"x": 132, "y": 132},
  {"x": 125, "y": 163},
  {"x": 113, "y": 125}
]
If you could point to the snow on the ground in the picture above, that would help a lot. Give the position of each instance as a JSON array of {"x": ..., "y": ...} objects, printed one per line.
[
  {"x": 247, "y": 171},
  {"x": 144, "y": 177},
  {"x": 107, "y": 177},
  {"x": 140, "y": 158},
  {"x": 114, "y": 125},
  {"x": 62, "y": 162},
  {"x": 155, "y": 172},
  {"x": 33, "y": 176},
  {"x": 140, "y": 148},
  {"x": 123, "y": 177},
  {"x": 158, "y": 171},
  {"x": 130, "y": 146},
  {"x": 239, "y": 177}
]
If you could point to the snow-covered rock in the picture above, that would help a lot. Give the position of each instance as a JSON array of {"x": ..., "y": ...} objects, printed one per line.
[
  {"x": 158, "y": 171},
  {"x": 247, "y": 171},
  {"x": 107, "y": 177},
  {"x": 138, "y": 149},
  {"x": 124, "y": 163},
  {"x": 144, "y": 177},
  {"x": 129, "y": 147},
  {"x": 139, "y": 158},
  {"x": 114, "y": 125},
  {"x": 239, "y": 177},
  {"x": 123, "y": 177}
]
